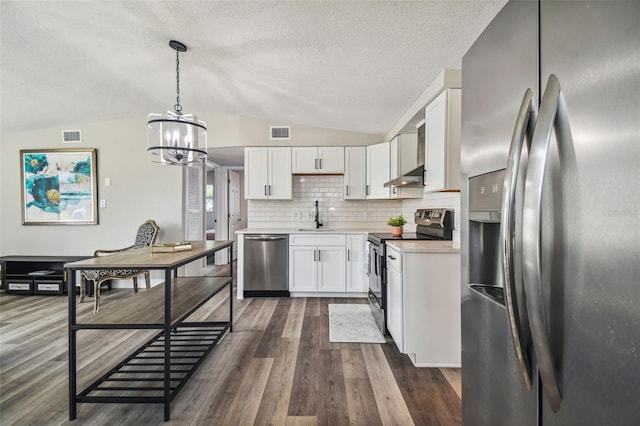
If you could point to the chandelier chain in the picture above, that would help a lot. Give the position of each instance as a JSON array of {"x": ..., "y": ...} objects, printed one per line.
[{"x": 177, "y": 107}]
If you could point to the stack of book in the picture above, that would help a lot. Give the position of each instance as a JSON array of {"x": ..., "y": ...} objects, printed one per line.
[{"x": 171, "y": 247}]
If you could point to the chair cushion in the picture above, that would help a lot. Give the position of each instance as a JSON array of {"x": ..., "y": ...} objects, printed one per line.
[{"x": 145, "y": 236}]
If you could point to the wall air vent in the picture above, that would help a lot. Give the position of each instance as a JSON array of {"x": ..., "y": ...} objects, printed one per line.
[
  {"x": 280, "y": 133},
  {"x": 71, "y": 136}
]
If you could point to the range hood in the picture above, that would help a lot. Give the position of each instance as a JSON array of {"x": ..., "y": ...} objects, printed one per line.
[
  {"x": 415, "y": 177},
  {"x": 412, "y": 179}
]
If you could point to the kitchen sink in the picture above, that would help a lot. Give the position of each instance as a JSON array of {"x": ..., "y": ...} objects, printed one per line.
[{"x": 315, "y": 230}]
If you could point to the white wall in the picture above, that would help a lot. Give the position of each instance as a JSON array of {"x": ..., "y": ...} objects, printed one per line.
[{"x": 139, "y": 190}]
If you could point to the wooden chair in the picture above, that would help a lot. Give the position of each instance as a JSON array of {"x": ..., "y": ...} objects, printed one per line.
[{"x": 146, "y": 235}]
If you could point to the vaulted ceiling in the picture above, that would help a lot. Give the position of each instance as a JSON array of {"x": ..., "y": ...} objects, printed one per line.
[{"x": 346, "y": 65}]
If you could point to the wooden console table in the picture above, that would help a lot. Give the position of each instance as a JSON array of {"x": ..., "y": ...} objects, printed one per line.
[{"x": 156, "y": 371}]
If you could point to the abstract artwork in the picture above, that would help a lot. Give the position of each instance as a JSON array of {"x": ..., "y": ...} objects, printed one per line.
[{"x": 59, "y": 187}]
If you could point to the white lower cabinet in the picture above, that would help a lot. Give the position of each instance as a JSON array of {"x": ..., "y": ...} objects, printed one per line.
[
  {"x": 356, "y": 264},
  {"x": 317, "y": 263},
  {"x": 423, "y": 306}
]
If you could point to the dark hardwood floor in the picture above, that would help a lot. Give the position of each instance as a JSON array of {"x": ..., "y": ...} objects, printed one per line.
[{"x": 276, "y": 368}]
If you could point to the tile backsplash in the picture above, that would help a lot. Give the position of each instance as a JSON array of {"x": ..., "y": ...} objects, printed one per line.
[{"x": 335, "y": 212}]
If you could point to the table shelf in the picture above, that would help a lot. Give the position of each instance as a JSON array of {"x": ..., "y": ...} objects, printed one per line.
[{"x": 156, "y": 371}]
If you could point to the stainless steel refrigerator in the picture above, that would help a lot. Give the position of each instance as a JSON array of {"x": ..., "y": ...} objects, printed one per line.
[{"x": 550, "y": 225}]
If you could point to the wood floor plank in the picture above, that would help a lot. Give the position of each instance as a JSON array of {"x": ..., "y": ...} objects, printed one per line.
[
  {"x": 302, "y": 421},
  {"x": 353, "y": 364},
  {"x": 269, "y": 343},
  {"x": 304, "y": 391},
  {"x": 275, "y": 401},
  {"x": 361, "y": 403},
  {"x": 334, "y": 410},
  {"x": 391, "y": 404},
  {"x": 454, "y": 377},
  {"x": 441, "y": 405},
  {"x": 244, "y": 407},
  {"x": 293, "y": 326}
]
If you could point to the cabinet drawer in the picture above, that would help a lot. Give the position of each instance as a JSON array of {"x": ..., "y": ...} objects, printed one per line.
[
  {"x": 317, "y": 240},
  {"x": 394, "y": 259},
  {"x": 48, "y": 287},
  {"x": 20, "y": 286}
]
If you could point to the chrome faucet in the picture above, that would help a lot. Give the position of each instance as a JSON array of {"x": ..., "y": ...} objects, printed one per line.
[{"x": 318, "y": 222}]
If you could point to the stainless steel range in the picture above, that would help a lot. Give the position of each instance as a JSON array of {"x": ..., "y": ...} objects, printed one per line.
[{"x": 431, "y": 224}]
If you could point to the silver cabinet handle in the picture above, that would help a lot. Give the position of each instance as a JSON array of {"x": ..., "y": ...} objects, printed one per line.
[
  {"x": 391, "y": 257},
  {"x": 315, "y": 163},
  {"x": 348, "y": 255},
  {"x": 347, "y": 190},
  {"x": 269, "y": 189},
  {"x": 523, "y": 129},
  {"x": 265, "y": 190},
  {"x": 320, "y": 162},
  {"x": 367, "y": 192},
  {"x": 553, "y": 114},
  {"x": 318, "y": 255}
]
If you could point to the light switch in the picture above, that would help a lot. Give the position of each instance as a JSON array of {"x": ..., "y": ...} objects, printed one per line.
[
  {"x": 103, "y": 204},
  {"x": 107, "y": 181}
]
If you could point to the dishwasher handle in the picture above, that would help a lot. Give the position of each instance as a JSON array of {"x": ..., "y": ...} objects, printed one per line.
[{"x": 263, "y": 238}]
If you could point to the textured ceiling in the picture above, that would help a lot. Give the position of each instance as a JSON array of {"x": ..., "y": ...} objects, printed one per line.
[{"x": 345, "y": 65}]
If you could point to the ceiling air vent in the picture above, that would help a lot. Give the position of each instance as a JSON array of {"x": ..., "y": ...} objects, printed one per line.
[
  {"x": 280, "y": 133},
  {"x": 71, "y": 136}
]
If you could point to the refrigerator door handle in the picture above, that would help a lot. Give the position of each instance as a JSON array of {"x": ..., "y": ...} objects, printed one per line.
[
  {"x": 553, "y": 114},
  {"x": 522, "y": 131}
]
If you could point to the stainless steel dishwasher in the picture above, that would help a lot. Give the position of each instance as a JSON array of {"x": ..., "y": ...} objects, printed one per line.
[{"x": 266, "y": 265}]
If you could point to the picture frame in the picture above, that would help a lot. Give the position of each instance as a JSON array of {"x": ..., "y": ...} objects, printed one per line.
[{"x": 59, "y": 186}]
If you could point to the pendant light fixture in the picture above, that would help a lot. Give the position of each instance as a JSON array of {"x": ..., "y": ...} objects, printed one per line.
[{"x": 175, "y": 138}]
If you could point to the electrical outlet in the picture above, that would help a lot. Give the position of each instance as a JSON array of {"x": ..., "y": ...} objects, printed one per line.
[{"x": 103, "y": 204}]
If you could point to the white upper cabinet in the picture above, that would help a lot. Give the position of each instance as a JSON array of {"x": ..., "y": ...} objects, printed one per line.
[
  {"x": 442, "y": 142},
  {"x": 267, "y": 173},
  {"x": 355, "y": 173},
  {"x": 321, "y": 160},
  {"x": 378, "y": 169}
]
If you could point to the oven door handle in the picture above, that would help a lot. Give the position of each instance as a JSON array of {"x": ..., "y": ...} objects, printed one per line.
[{"x": 373, "y": 300}]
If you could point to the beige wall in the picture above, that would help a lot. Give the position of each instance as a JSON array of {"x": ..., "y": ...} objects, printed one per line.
[{"x": 139, "y": 188}]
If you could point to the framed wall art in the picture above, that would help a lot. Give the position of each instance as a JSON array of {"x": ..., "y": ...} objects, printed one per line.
[{"x": 59, "y": 186}]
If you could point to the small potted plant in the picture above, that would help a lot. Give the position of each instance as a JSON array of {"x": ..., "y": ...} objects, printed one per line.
[{"x": 396, "y": 225}]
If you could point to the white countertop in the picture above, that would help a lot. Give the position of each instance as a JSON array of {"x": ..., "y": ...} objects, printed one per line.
[{"x": 421, "y": 246}]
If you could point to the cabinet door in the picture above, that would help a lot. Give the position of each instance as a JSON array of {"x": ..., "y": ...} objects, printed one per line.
[
  {"x": 394, "y": 307},
  {"x": 442, "y": 142},
  {"x": 256, "y": 177},
  {"x": 331, "y": 263},
  {"x": 304, "y": 159},
  {"x": 355, "y": 264},
  {"x": 303, "y": 268},
  {"x": 280, "y": 174},
  {"x": 355, "y": 176},
  {"x": 378, "y": 170},
  {"x": 331, "y": 159}
]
